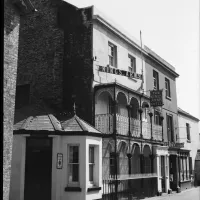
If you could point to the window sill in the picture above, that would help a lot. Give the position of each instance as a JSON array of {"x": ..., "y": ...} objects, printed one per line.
[
  {"x": 132, "y": 79},
  {"x": 94, "y": 188},
  {"x": 73, "y": 189},
  {"x": 169, "y": 98},
  {"x": 185, "y": 181}
]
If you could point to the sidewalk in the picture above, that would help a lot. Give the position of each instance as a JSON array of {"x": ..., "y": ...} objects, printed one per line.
[{"x": 174, "y": 194}]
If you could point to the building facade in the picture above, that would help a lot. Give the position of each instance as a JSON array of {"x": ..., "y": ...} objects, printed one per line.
[
  {"x": 189, "y": 135},
  {"x": 69, "y": 54}
]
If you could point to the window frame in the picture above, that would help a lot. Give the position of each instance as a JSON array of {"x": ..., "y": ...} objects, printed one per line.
[
  {"x": 114, "y": 56},
  {"x": 167, "y": 88},
  {"x": 172, "y": 139},
  {"x": 132, "y": 65},
  {"x": 188, "y": 132},
  {"x": 73, "y": 183},
  {"x": 91, "y": 163},
  {"x": 155, "y": 79}
]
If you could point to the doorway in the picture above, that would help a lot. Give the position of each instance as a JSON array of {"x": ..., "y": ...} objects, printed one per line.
[
  {"x": 163, "y": 173},
  {"x": 38, "y": 169}
]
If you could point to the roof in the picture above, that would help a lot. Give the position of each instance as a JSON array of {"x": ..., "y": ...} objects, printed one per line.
[
  {"x": 180, "y": 111},
  {"x": 75, "y": 124},
  {"x": 37, "y": 119},
  {"x": 41, "y": 122}
]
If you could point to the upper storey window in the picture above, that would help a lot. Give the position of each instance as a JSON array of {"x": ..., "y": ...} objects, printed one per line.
[
  {"x": 112, "y": 54},
  {"x": 167, "y": 88},
  {"x": 132, "y": 64},
  {"x": 155, "y": 80}
]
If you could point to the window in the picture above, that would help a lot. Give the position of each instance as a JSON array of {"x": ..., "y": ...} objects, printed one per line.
[
  {"x": 157, "y": 118},
  {"x": 155, "y": 80},
  {"x": 132, "y": 64},
  {"x": 112, "y": 55},
  {"x": 188, "y": 131},
  {"x": 112, "y": 164},
  {"x": 91, "y": 164},
  {"x": 22, "y": 95},
  {"x": 170, "y": 128},
  {"x": 73, "y": 165},
  {"x": 167, "y": 88}
]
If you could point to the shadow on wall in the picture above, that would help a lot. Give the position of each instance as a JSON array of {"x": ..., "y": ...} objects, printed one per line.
[{"x": 197, "y": 169}]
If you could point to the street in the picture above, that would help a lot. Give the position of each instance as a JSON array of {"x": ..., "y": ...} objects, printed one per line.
[{"x": 190, "y": 194}]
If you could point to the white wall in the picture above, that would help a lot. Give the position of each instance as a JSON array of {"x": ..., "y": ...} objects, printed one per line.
[
  {"x": 194, "y": 135},
  {"x": 101, "y": 37},
  {"x": 18, "y": 168}
]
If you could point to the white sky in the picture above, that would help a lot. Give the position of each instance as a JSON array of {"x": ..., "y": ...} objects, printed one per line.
[{"x": 171, "y": 29}]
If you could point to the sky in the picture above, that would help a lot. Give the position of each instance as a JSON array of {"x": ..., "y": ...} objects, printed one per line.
[{"x": 171, "y": 29}]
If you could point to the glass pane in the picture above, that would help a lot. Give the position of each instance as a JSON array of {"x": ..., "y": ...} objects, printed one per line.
[
  {"x": 73, "y": 154},
  {"x": 91, "y": 155},
  {"x": 73, "y": 172},
  {"x": 91, "y": 171}
]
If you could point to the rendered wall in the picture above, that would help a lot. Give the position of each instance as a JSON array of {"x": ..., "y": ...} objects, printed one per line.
[
  {"x": 170, "y": 106},
  {"x": 194, "y": 135},
  {"x": 101, "y": 36}
]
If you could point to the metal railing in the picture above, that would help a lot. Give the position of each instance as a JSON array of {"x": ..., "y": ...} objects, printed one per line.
[{"x": 104, "y": 123}]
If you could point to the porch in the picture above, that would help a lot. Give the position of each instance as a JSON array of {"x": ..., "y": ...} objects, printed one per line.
[{"x": 125, "y": 112}]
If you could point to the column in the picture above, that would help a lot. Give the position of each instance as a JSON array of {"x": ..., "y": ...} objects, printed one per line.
[
  {"x": 179, "y": 174},
  {"x": 158, "y": 170},
  {"x": 167, "y": 173},
  {"x": 151, "y": 115},
  {"x": 140, "y": 110}
]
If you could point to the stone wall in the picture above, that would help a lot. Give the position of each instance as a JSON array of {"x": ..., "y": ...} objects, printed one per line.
[
  {"x": 11, "y": 37},
  {"x": 78, "y": 62},
  {"x": 41, "y": 54}
]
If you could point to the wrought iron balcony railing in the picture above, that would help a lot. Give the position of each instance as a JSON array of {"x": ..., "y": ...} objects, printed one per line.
[{"x": 104, "y": 123}]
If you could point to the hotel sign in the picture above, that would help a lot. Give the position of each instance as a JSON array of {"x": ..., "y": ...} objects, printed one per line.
[
  {"x": 156, "y": 98},
  {"x": 173, "y": 144},
  {"x": 120, "y": 72}
]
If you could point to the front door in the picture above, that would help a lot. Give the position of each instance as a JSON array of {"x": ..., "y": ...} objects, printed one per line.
[{"x": 38, "y": 167}]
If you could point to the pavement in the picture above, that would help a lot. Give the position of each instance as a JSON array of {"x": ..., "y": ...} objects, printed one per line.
[{"x": 189, "y": 194}]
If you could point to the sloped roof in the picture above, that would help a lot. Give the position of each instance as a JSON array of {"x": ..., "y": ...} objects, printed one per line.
[
  {"x": 181, "y": 111},
  {"x": 40, "y": 122},
  {"x": 75, "y": 124}
]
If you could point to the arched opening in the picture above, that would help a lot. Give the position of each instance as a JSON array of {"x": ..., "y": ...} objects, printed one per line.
[
  {"x": 104, "y": 113},
  {"x": 107, "y": 162},
  {"x": 145, "y": 116},
  {"x": 134, "y": 110},
  {"x": 135, "y": 160},
  {"x": 123, "y": 159},
  {"x": 122, "y": 114},
  {"x": 147, "y": 159},
  {"x": 122, "y": 103},
  {"x": 104, "y": 104}
]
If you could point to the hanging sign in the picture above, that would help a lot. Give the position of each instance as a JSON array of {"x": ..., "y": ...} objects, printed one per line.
[
  {"x": 59, "y": 163},
  {"x": 156, "y": 98},
  {"x": 120, "y": 72}
]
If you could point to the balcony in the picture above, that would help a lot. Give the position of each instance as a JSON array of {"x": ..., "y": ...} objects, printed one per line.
[{"x": 104, "y": 123}]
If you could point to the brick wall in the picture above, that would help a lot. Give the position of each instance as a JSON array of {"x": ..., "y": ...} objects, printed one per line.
[
  {"x": 11, "y": 36},
  {"x": 41, "y": 55},
  {"x": 78, "y": 63}
]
